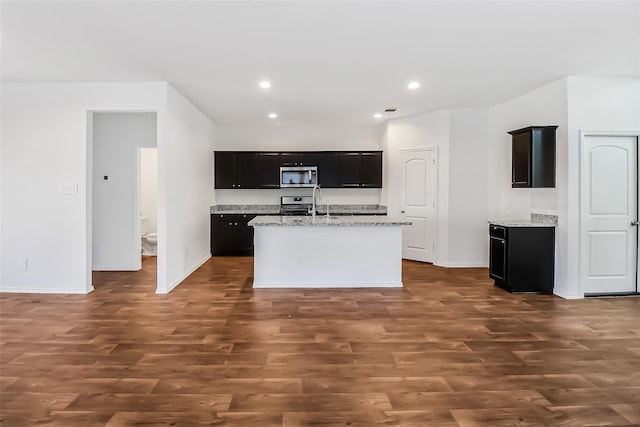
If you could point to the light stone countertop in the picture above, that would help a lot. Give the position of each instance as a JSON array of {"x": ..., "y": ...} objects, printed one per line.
[
  {"x": 337, "y": 209},
  {"x": 246, "y": 209},
  {"x": 537, "y": 220},
  {"x": 520, "y": 223},
  {"x": 323, "y": 221}
]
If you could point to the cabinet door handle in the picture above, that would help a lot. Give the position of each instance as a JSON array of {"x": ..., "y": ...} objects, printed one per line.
[
  {"x": 401, "y": 211},
  {"x": 634, "y": 223}
]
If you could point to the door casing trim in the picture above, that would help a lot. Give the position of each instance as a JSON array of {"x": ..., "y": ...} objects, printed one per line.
[{"x": 582, "y": 136}]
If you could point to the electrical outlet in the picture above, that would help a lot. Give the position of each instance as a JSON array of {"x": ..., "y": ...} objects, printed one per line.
[
  {"x": 23, "y": 264},
  {"x": 186, "y": 253}
]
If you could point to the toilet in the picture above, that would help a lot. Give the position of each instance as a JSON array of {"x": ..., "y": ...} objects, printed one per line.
[{"x": 149, "y": 239}]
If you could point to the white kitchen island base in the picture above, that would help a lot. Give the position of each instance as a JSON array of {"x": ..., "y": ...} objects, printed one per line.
[{"x": 327, "y": 253}]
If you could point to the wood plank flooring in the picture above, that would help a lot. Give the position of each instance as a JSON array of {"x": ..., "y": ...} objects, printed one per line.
[{"x": 449, "y": 349}]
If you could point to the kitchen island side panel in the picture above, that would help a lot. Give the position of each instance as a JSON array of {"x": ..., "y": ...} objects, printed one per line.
[{"x": 327, "y": 257}]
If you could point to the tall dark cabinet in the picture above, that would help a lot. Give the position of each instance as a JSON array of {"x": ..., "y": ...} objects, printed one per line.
[
  {"x": 522, "y": 258},
  {"x": 533, "y": 157}
]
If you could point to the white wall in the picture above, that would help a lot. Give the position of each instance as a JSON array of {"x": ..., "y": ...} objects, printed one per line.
[
  {"x": 594, "y": 104},
  {"x": 460, "y": 136},
  {"x": 185, "y": 165},
  {"x": 149, "y": 187},
  {"x": 297, "y": 138},
  {"x": 543, "y": 106},
  {"x": 468, "y": 188},
  {"x": 574, "y": 104},
  {"x": 45, "y": 134},
  {"x": 546, "y": 105},
  {"x": 421, "y": 131},
  {"x": 44, "y": 143},
  {"x": 275, "y": 137},
  {"x": 116, "y": 139}
]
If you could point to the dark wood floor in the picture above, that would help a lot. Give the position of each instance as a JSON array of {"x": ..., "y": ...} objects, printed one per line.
[{"x": 449, "y": 349}]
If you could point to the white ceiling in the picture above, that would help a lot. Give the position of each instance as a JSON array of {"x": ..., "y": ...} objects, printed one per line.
[{"x": 330, "y": 62}]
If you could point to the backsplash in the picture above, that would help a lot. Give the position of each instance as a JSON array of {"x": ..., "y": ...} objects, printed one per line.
[
  {"x": 333, "y": 196},
  {"x": 544, "y": 218}
]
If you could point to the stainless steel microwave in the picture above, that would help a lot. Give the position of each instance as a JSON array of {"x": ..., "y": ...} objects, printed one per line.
[{"x": 298, "y": 176}]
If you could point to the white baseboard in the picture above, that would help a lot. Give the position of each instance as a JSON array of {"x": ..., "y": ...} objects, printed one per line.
[
  {"x": 111, "y": 268},
  {"x": 44, "y": 291},
  {"x": 184, "y": 276},
  {"x": 568, "y": 296},
  {"x": 461, "y": 265},
  {"x": 350, "y": 285}
]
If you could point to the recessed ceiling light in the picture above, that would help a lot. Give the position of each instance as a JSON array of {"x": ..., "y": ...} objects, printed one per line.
[
  {"x": 273, "y": 115},
  {"x": 377, "y": 115},
  {"x": 265, "y": 84},
  {"x": 413, "y": 85}
]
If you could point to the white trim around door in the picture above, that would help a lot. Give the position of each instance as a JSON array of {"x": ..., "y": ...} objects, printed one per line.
[
  {"x": 418, "y": 202},
  {"x": 609, "y": 193}
]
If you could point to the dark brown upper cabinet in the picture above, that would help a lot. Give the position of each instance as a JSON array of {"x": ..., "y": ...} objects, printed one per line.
[
  {"x": 269, "y": 170},
  {"x": 328, "y": 169},
  {"x": 361, "y": 169},
  {"x": 533, "y": 157},
  {"x": 349, "y": 169},
  {"x": 299, "y": 158},
  {"x": 236, "y": 169},
  {"x": 336, "y": 169},
  {"x": 371, "y": 169}
]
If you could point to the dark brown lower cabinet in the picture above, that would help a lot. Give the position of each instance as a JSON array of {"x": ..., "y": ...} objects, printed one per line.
[
  {"x": 231, "y": 234},
  {"x": 522, "y": 258}
]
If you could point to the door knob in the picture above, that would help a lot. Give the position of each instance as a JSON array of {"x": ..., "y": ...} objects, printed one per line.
[
  {"x": 401, "y": 211},
  {"x": 634, "y": 222}
]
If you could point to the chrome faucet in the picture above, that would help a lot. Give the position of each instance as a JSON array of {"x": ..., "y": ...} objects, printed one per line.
[{"x": 313, "y": 196}]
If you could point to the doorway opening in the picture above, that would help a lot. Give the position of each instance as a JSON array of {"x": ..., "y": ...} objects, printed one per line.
[
  {"x": 148, "y": 200},
  {"x": 117, "y": 153}
]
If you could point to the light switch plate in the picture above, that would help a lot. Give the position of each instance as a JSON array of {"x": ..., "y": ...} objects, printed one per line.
[{"x": 68, "y": 188}]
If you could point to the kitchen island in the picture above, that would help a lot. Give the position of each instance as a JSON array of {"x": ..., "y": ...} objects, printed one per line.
[{"x": 327, "y": 252}]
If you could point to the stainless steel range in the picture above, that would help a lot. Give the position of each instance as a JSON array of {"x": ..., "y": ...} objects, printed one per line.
[{"x": 296, "y": 205}]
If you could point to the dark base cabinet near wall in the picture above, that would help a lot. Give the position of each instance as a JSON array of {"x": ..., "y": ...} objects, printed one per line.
[
  {"x": 231, "y": 234},
  {"x": 521, "y": 257}
]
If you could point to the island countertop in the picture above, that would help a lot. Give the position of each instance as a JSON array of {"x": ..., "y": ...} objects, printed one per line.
[{"x": 323, "y": 221}]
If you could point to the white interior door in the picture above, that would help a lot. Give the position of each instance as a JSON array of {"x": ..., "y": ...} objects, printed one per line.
[
  {"x": 418, "y": 203},
  {"x": 609, "y": 214}
]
